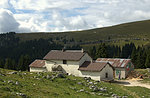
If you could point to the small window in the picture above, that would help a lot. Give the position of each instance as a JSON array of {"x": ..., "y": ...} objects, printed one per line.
[
  {"x": 64, "y": 61},
  {"x": 106, "y": 75}
]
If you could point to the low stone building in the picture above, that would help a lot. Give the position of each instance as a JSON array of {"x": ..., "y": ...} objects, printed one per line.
[
  {"x": 97, "y": 70},
  {"x": 75, "y": 62},
  {"x": 38, "y": 66},
  {"x": 122, "y": 66}
]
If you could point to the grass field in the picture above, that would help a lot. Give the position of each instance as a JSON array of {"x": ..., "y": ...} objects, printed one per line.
[
  {"x": 37, "y": 85},
  {"x": 136, "y": 32}
]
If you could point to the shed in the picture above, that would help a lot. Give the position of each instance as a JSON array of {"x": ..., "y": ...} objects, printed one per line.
[
  {"x": 38, "y": 66},
  {"x": 122, "y": 66},
  {"x": 97, "y": 70}
]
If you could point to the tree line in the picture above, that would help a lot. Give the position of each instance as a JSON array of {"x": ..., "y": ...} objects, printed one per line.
[
  {"x": 17, "y": 55},
  {"x": 140, "y": 56}
]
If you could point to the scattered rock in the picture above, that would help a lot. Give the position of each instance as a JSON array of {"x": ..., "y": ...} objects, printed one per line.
[
  {"x": 21, "y": 94},
  {"x": 100, "y": 94},
  {"x": 24, "y": 73},
  {"x": 2, "y": 74},
  {"x": 60, "y": 76},
  {"x": 53, "y": 78},
  {"x": 86, "y": 92},
  {"x": 75, "y": 79},
  {"x": 95, "y": 89},
  {"x": 10, "y": 81},
  {"x": 106, "y": 94},
  {"x": 88, "y": 78},
  {"x": 34, "y": 76},
  {"x": 124, "y": 97},
  {"x": 93, "y": 93},
  {"x": 90, "y": 82},
  {"x": 14, "y": 72},
  {"x": 74, "y": 88},
  {"x": 80, "y": 83},
  {"x": 17, "y": 83},
  {"x": 118, "y": 96},
  {"x": 114, "y": 95},
  {"x": 102, "y": 89},
  {"x": 81, "y": 90},
  {"x": 1, "y": 80},
  {"x": 48, "y": 77}
]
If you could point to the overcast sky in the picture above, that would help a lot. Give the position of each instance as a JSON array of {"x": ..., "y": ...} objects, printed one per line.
[{"x": 67, "y": 15}]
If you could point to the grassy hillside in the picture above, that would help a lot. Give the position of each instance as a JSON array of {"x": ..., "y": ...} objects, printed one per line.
[
  {"x": 127, "y": 32},
  {"x": 45, "y": 85}
]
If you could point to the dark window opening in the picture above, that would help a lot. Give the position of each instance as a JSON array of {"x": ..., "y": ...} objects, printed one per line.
[
  {"x": 64, "y": 61},
  {"x": 106, "y": 75}
]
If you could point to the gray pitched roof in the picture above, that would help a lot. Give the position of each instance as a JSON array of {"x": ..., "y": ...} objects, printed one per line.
[
  {"x": 94, "y": 66},
  {"x": 64, "y": 55}
]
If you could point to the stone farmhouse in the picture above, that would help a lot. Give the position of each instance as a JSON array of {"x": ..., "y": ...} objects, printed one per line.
[{"x": 78, "y": 63}]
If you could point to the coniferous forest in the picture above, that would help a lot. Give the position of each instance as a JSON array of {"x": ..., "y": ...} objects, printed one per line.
[{"x": 17, "y": 55}]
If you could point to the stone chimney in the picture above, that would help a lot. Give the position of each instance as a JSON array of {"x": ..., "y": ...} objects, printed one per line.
[
  {"x": 91, "y": 61},
  {"x": 63, "y": 49},
  {"x": 82, "y": 50}
]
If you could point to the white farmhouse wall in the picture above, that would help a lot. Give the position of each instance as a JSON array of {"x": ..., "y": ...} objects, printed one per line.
[
  {"x": 33, "y": 69},
  {"x": 71, "y": 67}
]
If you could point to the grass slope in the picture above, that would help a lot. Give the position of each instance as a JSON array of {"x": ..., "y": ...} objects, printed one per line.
[
  {"x": 36, "y": 85},
  {"x": 131, "y": 31}
]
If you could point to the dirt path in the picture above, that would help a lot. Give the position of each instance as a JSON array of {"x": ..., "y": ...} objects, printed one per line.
[{"x": 133, "y": 82}]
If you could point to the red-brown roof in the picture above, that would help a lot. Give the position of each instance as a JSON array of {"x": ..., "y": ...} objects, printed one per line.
[
  {"x": 115, "y": 62},
  {"x": 94, "y": 66},
  {"x": 38, "y": 63},
  {"x": 64, "y": 55}
]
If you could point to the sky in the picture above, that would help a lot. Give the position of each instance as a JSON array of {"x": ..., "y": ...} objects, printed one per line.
[{"x": 23, "y": 16}]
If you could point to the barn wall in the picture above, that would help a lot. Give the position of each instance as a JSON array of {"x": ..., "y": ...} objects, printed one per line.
[
  {"x": 131, "y": 68},
  {"x": 93, "y": 75},
  {"x": 107, "y": 69},
  {"x": 124, "y": 71},
  {"x": 33, "y": 69},
  {"x": 99, "y": 75},
  {"x": 120, "y": 71}
]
